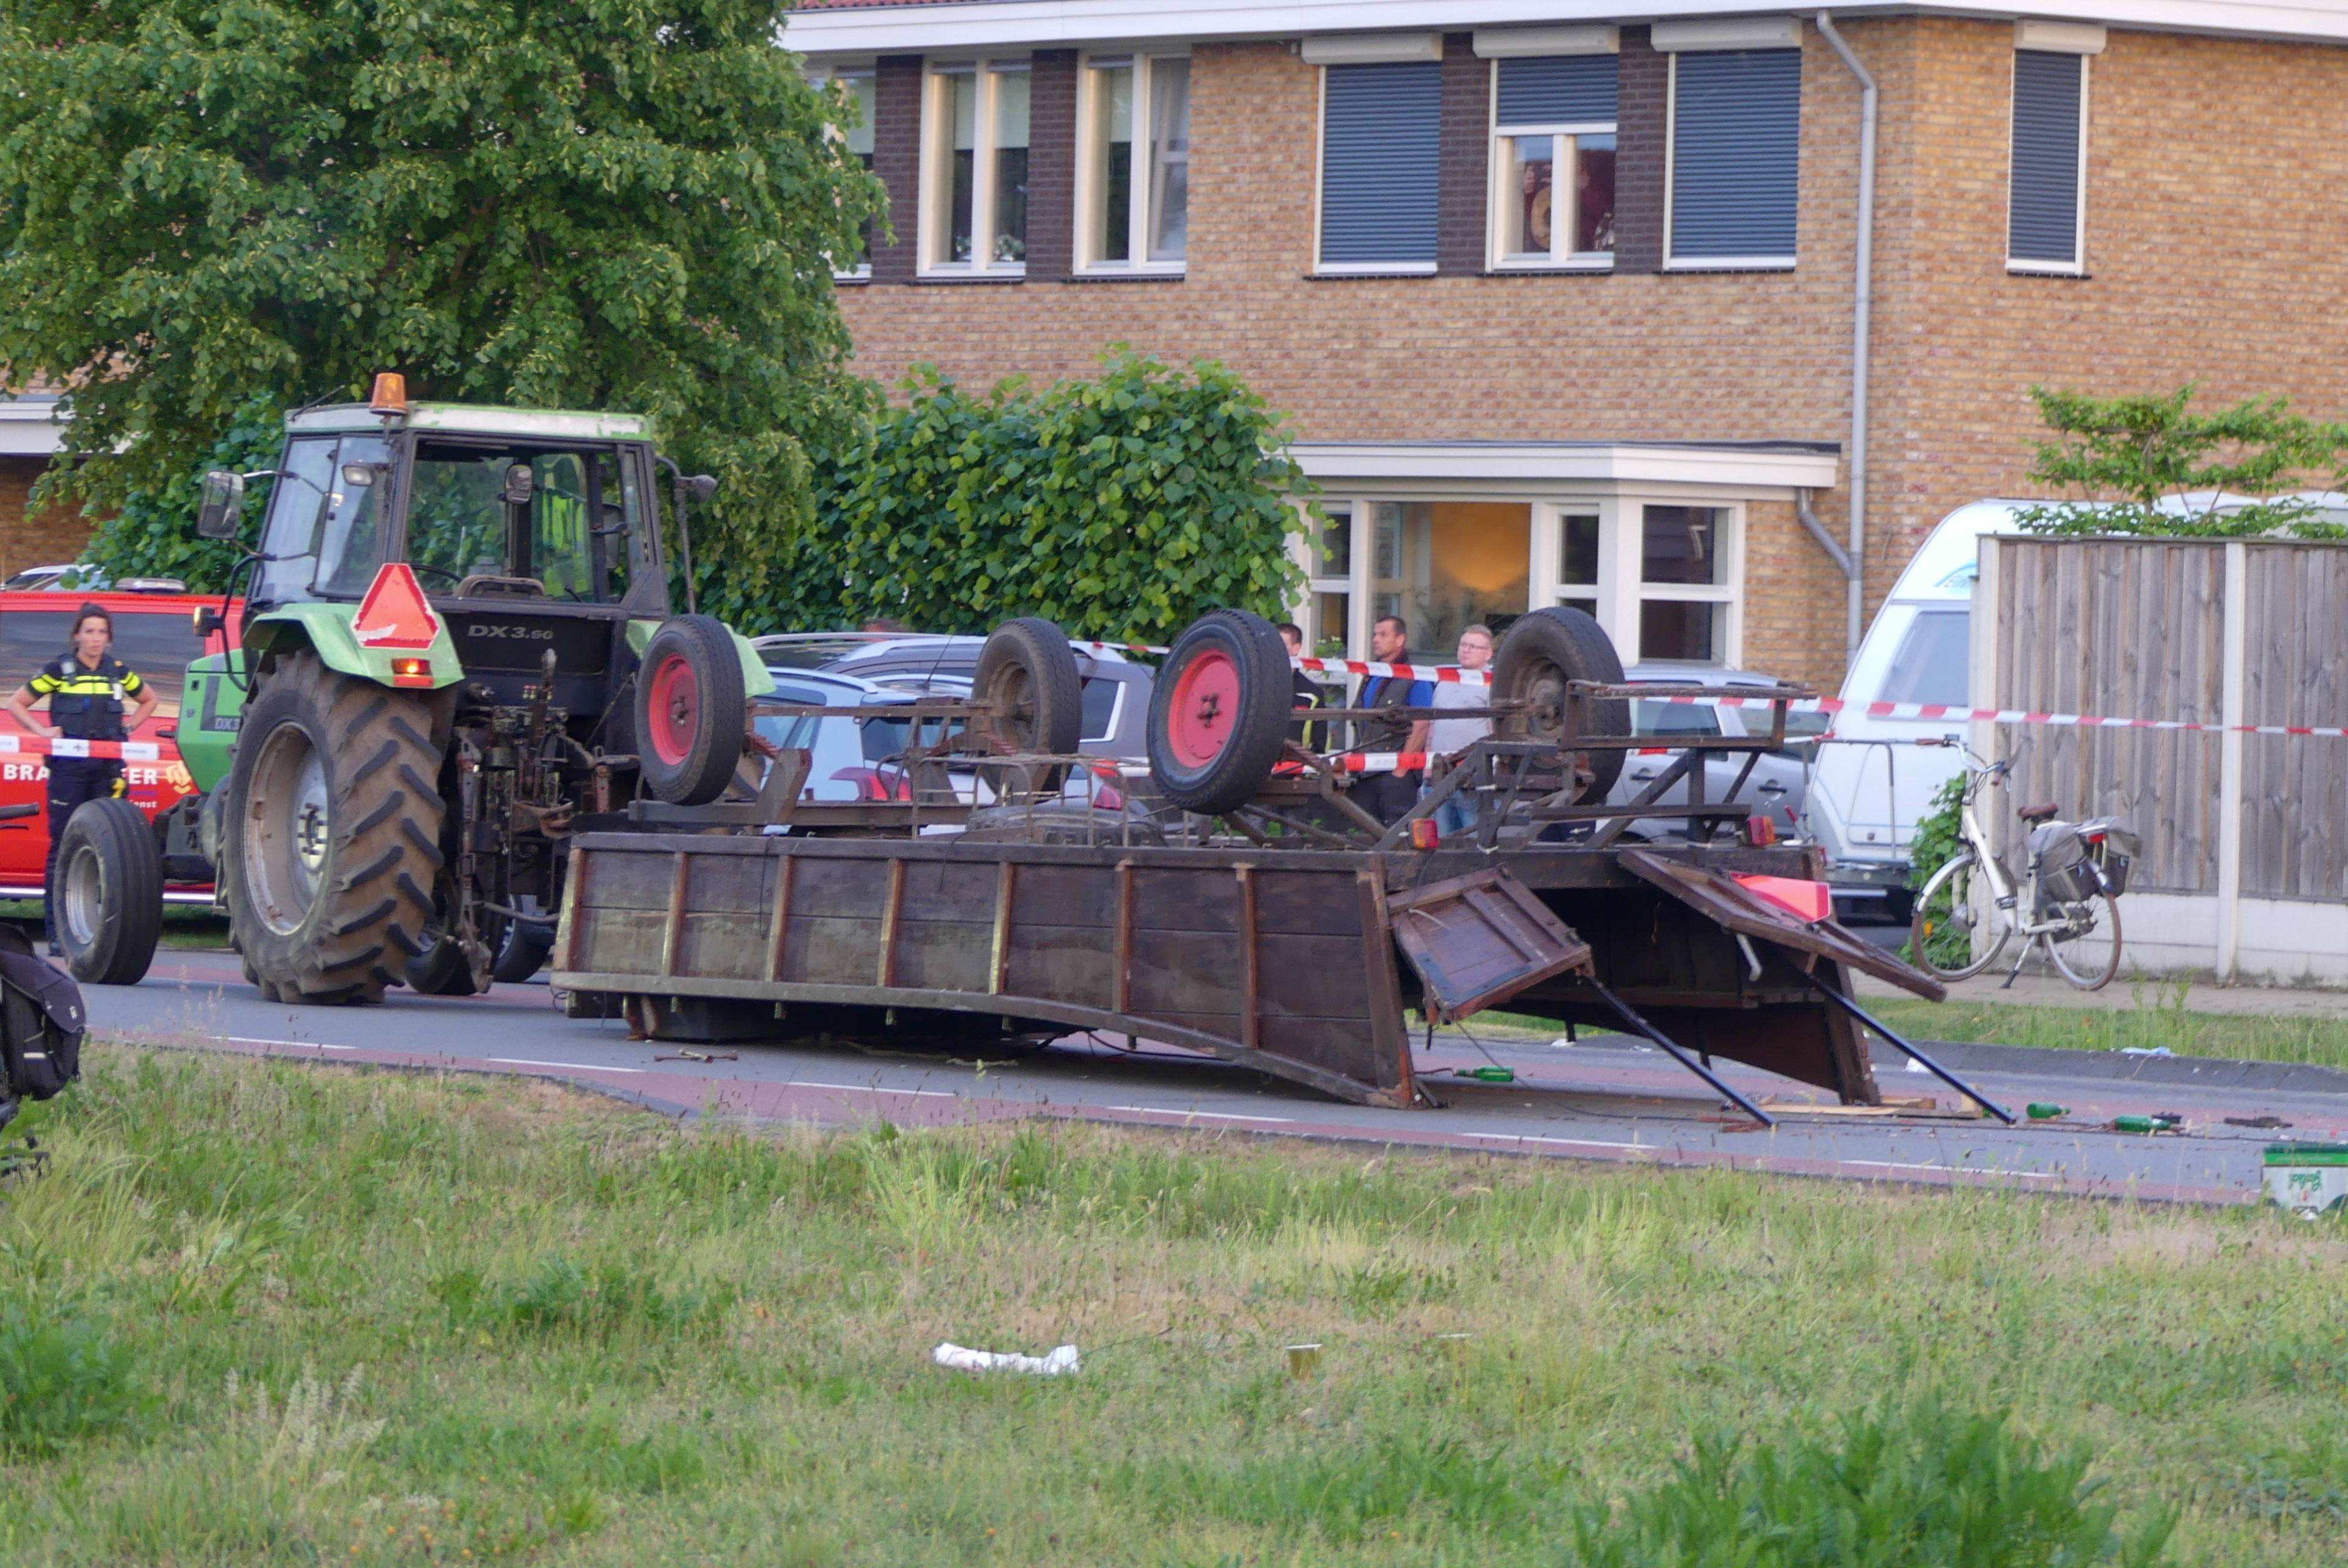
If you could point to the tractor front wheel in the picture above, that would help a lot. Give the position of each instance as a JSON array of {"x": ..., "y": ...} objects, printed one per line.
[{"x": 331, "y": 835}]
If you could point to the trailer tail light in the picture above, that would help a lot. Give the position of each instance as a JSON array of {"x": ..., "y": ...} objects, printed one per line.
[
  {"x": 1425, "y": 835},
  {"x": 1760, "y": 832},
  {"x": 411, "y": 671}
]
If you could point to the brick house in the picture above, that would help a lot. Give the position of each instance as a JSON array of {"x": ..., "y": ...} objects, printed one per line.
[
  {"x": 29, "y": 438},
  {"x": 1563, "y": 304}
]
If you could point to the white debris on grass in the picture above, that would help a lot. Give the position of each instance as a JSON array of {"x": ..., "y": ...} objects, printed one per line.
[{"x": 961, "y": 1359}]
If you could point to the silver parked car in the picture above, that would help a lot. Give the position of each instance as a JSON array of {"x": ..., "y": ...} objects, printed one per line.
[
  {"x": 1780, "y": 778},
  {"x": 1116, "y": 690}
]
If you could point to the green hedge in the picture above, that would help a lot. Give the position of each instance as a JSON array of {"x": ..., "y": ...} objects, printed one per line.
[{"x": 1122, "y": 508}]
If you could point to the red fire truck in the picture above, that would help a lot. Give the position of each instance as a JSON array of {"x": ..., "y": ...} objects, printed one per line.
[{"x": 155, "y": 634}]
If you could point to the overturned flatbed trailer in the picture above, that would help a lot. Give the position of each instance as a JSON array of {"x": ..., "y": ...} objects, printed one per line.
[{"x": 1300, "y": 963}]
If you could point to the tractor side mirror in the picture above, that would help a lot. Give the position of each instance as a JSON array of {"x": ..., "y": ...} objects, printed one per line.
[
  {"x": 520, "y": 483},
  {"x": 701, "y": 487},
  {"x": 221, "y": 510}
]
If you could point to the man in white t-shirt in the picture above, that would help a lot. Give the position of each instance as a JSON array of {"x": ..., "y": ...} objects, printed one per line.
[{"x": 1449, "y": 737}]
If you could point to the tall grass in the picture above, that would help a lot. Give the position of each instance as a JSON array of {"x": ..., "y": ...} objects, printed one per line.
[{"x": 590, "y": 1338}]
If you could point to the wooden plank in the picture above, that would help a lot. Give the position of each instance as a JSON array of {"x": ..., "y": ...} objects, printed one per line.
[
  {"x": 1124, "y": 948},
  {"x": 998, "y": 967},
  {"x": 1728, "y": 904},
  {"x": 675, "y": 928},
  {"x": 1250, "y": 1006},
  {"x": 574, "y": 877},
  {"x": 779, "y": 919},
  {"x": 1390, "y": 1064},
  {"x": 895, "y": 904}
]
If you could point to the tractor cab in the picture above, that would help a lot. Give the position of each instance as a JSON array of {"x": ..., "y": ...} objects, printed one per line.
[{"x": 528, "y": 531}]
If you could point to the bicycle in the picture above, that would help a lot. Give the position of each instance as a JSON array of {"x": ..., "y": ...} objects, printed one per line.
[{"x": 2076, "y": 873}]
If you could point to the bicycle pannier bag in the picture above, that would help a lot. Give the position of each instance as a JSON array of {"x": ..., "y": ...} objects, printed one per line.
[
  {"x": 2063, "y": 875},
  {"x": 2112, "y": 849}
]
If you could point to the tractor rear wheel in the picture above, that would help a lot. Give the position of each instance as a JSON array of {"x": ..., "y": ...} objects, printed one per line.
[{"x": 331, "y": 835}]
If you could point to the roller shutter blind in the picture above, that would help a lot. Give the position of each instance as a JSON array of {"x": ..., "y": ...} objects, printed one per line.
[
  {"x": 1558, "y": 89},
  {"x": 1736, "y": 154},
  {"x": 1378, "y": 163},
  {"x": 2043, "y": 219}
]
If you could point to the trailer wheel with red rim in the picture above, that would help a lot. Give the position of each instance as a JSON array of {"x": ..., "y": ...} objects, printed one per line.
[
  {"x": 1219, "y": 712},
  {"x": 691, "y": 712}
]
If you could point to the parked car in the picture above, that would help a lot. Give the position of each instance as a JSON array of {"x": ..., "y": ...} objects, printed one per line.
[
  {"x": 155, "y": 635},
  {"x": 850, "y": 755},
  {"x": 1115, "y": 689},
  {"x": 860, "y": 759},
  {"x": 1780, "y": 779},
  {"x": 35, "y": 577}
]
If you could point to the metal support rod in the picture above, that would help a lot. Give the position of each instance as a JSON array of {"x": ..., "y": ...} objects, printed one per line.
[
  {"x": 1640, "y": 1026},
  {"x": 1942, "y": 1073}
]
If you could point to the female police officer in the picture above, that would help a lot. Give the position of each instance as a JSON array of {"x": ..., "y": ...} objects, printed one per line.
[{"x": 85, "y": 689}]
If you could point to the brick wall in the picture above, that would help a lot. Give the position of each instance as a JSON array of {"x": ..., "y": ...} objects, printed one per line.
[
  {"x": 2215, "y": 239},
  {"x": 43, "y": 538}
]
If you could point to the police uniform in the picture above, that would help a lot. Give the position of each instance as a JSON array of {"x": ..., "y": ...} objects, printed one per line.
[{"x": 87, "y": 705}]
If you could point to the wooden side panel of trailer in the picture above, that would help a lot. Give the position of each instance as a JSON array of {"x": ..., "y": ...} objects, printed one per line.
[{"x": 1278, "y": 960}]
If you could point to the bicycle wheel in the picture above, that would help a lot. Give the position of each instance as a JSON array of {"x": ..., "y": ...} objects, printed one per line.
[
  {"x": 2089, "y": 960},
  {"x": 1941, "y": 937}
]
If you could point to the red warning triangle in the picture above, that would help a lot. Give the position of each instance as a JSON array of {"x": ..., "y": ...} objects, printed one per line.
[{"x": 394, "y": 612}]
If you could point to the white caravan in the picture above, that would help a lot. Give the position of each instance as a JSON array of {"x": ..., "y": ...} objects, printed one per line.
[{"x": 1872, "y": 781}]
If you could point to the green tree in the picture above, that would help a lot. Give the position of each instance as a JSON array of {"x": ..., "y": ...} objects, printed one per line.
[
  {"x": 581, "y": 203},
  {"x": 1122, "y": 508},
  {"x": 2151, "y": 465}
]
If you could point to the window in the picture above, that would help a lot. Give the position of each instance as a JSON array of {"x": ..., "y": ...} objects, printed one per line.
[
  {"x": 1444, "y": 566},
  {"x": 1553, "y": 161},
  {"x": 1734, "y": 158},
  {"x": 461, "y": 525},
  {"x": 2048, "y": 183},
  {"x": 1685, "y": 583},
  {"x": 858, "y": 87},
  {"x": 1329, "y": 583},
  {"x": 1931, "y": 663},
  {"x": 974, "y": 171},
  {"x": 1578, "y": 535},
  {"x": 324, "y": 532},
  {"x": 1378, "y": 166},
  {"x": 1134, "y": 206}
]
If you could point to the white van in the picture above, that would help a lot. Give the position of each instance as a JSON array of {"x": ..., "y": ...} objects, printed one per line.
[{"x": 1872, "y": 781}]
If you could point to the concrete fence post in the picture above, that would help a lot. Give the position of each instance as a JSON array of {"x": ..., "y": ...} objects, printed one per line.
[{"x": 2234, "y": 630}]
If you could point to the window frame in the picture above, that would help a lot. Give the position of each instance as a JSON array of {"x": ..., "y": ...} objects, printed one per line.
[
  {"x": 2077, "y": 266},
  {"x": 1498, "y": 258},
  {"x": 1090, "y": 159},
  {"x": 843, "y": 74},
  {"x": 936, "y": 188},
  {"x": 1755, "y": 264}
]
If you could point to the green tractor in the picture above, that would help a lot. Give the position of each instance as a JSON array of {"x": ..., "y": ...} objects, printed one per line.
[{"x": 456, "y": 650}]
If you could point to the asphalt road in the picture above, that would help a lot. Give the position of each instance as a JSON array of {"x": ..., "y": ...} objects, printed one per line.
[{"x": 1601, "y": 1100}]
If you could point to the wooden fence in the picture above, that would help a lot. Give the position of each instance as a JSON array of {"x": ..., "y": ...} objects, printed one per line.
[{"x": 2219, "y": 632}]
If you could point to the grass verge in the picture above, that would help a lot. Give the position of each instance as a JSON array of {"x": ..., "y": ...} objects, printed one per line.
[
  {"x": 2160, "y": 1017},
  {"x": 260, "y": 1312}
]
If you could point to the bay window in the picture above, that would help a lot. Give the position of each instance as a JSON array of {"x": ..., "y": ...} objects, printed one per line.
[
  {"x": 974, "y": 168},
  {"x": 1133, "y": 201}
]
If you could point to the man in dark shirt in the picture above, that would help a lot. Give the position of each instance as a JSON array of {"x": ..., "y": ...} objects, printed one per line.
[
  {"x": 1389, "y": 795},
  {"x": 1305, "y": 692}
]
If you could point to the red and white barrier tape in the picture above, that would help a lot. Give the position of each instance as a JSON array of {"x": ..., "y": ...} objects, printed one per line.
[
  {"x": 1935, "y": 710},
  {"x": 64, "y": 746}
]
